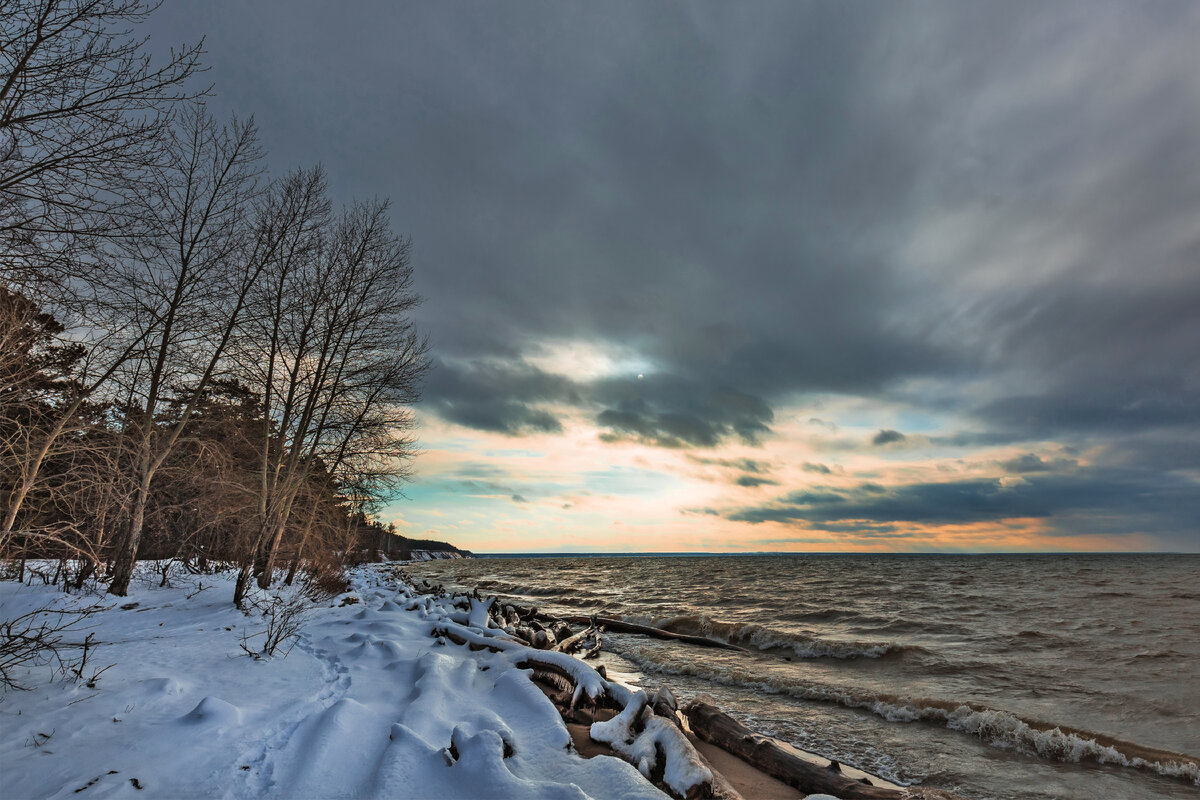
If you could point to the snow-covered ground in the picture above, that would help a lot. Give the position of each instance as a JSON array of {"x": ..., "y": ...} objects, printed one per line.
[{"x": 367, "y": 704}]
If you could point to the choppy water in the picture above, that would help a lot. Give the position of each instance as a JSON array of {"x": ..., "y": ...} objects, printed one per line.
[{"x": 1049, "y": 676}]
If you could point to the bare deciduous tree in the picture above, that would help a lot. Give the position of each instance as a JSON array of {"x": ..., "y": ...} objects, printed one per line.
[
  {"x": 82, "y": 113},
  {"x": 340, "y": 364},
  {"x": 189, "y": 273},
  {"x": 82, "y": 108},
  {"x": 141, "y": 265}
]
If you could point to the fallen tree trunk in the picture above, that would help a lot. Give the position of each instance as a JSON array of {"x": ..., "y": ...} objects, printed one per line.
[
  {"x": 569, "y": 643},
  {"x": 620, "y": 626},
  {"x": 718, "y": 728}
]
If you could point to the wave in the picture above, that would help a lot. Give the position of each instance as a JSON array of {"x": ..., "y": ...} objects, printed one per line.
[
  {"x": 921, "y": 625},
  {"x": 994, "y": 727},
  {"x": 758, "y": 637},
  {"x": 522, "y": 590},
  {"x": 1156, "y": 655}
]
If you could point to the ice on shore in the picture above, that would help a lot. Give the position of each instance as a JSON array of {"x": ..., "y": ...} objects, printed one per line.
[{"x": 367, "y": 704}]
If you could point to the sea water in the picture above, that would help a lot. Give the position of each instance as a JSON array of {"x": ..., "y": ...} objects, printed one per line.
[{"x": 1014, "y": 676}]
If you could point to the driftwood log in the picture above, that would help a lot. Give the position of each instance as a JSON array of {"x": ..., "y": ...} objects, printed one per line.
[
  {"x": 762, "y": 752},
  {"x": 566, "y": 645},
  {"x": 593, "y": 651},
  {"x": 620, "y": 626}
]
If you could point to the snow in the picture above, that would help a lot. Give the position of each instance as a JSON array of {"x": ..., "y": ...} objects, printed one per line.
[
  {"x": 683, "y": 768},
  {"x": 367, "y": 704},
  {"x": 478, "y": 617}
]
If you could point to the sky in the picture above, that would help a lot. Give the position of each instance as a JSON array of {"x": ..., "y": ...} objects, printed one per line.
[{"x": 800, "y": 276}]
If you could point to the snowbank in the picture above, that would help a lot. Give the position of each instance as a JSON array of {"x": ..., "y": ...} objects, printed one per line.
[{"x": 367, "y": 704}]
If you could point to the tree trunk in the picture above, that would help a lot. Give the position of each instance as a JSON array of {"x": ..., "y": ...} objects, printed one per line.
[
  {"x": 268, "y": 532},
  {"x": 265, "y": 567},
  {"x": 86, "y": 570},
  {"x": 291, "y": 576},
  {"x": 126, "y": 555},
  {"x": 14, "y": 505},
  {"x": 619, "y": 626},
  {"x": 243, "y": 582}
]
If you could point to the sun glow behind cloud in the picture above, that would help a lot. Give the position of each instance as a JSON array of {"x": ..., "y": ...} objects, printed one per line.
[{"x": 582, "y": 360}]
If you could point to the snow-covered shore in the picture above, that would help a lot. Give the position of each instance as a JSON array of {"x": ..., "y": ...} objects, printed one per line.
[{"x": 367, "y": 704}]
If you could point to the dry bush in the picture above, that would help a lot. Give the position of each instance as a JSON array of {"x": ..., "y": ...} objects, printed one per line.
[
  {"x": 283, "y": 615},
  {"x": 38, "y": 638},
  {"x": 325, "y": 577}
]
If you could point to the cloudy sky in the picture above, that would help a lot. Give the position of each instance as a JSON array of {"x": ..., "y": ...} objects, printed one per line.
[{"x": 753, "y": 276}]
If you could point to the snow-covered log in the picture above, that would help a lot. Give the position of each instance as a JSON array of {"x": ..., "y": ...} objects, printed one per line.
[
  {"x": 480, "y": 614},
  {"x": 657, "y": 748}
]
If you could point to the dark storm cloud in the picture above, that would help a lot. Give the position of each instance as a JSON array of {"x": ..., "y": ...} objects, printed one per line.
[
  {"x": 979, "y": 438},
  {"x": 727, "y": 187},
  {"x": 1167, "y": 451},
  {"x": 1031, "y": 462},
  {"x": 1083, "y": 502},
  {"x": 754, "y": 481},
  {"x": 997, "y": 202},
  {"x": 887, "y": 437},
  {"x": 752, "y": 465},
  {"x": 513, "y": 397},
  {"x": 668, "y": 412},
  {"x": 662, "y": 430},
  {"x": 956, "y": 502},
  {"x": 1136, "y": 407},
  {"x": 498, "y": 396},
  {"x": 499, "y": 416},
  {"x": 690, "y": 180}
]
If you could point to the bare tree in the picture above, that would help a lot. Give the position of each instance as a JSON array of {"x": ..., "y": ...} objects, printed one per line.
[
  {"x": 189, "y": 273},
  {"x": 37, "y": 429},
  {"x": 137, "y": 249},
  {"x": 81, "y": 112},
  {"x": 341, "y": 362},
  {"x": 36, "y": 380}
]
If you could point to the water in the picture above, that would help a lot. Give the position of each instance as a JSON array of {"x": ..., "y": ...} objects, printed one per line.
[{"x": 950, "y": 671}]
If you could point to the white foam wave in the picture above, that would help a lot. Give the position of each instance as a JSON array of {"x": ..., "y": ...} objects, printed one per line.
[
  {"x": 759, "y": 637},
  {"x": 994, "y": 727}
]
